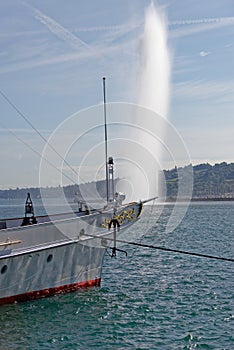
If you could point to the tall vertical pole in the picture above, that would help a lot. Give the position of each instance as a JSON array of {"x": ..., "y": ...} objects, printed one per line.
[{"x": 106, "y": 153}]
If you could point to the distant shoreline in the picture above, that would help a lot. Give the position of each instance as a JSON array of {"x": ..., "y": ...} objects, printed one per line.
[{"x": 202, "y": 199}]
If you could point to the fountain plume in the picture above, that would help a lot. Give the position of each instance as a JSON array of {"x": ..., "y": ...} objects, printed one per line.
[
  {"x": 153, "y": 94},
  {"x": 143, "y": 144},
  {"x": 155, "y": 63}
]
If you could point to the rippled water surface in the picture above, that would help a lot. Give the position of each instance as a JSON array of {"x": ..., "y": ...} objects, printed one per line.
[{"x": 148, "y": 300}]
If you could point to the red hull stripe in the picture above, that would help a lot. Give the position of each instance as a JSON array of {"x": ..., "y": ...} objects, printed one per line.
[{"x": 50, "y": 291}]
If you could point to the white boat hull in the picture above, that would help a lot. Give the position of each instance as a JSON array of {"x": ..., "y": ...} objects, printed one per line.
[
  {"x": 50, "y": 271},
  {"x": 59, "y": 256}
]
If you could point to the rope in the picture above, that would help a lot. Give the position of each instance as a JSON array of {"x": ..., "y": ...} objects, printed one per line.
[
  {"x": 36, "y": 152},
  {"x": 177, "y": 251},
  {"x": 37, "y": 131},
  {"x": 45, "y": 140},
  {"x": 165, "y": 249}
]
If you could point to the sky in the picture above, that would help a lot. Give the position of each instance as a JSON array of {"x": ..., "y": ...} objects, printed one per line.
[{"x": 54, "y": 53}]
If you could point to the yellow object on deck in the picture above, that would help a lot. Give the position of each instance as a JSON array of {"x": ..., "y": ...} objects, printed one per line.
[{"x": 9, "y": 242}]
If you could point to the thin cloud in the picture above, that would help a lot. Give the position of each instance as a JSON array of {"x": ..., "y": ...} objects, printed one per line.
[
  {"x": 5, "y": 130},
  {"x": 122, "y": 27},
  {"x": 97, "y": 51},
  {"x": 20, "y": 34},
  {"x": 195, "y": 26},
  {"x": 204, "y": 90},
  {"x": 29, "y": 64},
  {"x": 57, "y": 29},
  {"x": 204, "y": 53},
  {"x": 203, "y": 148},
  {"x": 227, "y": 20},
  {"x": 104, "y": 47}
]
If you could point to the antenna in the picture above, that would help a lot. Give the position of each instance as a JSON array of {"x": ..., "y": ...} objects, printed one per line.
[{"x": 105, "y": 125}]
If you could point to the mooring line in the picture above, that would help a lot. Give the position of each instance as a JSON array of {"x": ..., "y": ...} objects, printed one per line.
[
  {"x": 164, "y": 249},
  {"x": 26, "y": 119},
  {"x": 177, "y": 251},
  {"x": 22, "y": 115}
]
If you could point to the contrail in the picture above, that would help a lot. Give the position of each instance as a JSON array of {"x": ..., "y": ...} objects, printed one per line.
[
  {"x": 224, "y": 20},
  {"x": 194, "y": 26},
  {"x": 58, "y": 30},
  {"x": 185, "y": 22}
]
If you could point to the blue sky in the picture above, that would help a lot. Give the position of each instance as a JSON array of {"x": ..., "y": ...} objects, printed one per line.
[{"x": 53, "y": 54}]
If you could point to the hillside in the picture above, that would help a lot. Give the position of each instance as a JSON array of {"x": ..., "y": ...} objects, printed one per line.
[
  {"x": 56, "y": 192},
  {"x": 209, "y": 182}
]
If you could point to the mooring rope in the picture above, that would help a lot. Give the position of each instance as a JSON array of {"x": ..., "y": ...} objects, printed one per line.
[
  {"x": 26, "y": 119},
  {"x": 165, "y": 249},
  {"x": 177, "y": 251}
]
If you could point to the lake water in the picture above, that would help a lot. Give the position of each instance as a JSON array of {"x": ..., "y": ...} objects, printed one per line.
[{"x": 148, "y": 300}]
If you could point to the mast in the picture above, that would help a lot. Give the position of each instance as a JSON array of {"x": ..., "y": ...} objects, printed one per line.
[{"x": 105, "y": 125}]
